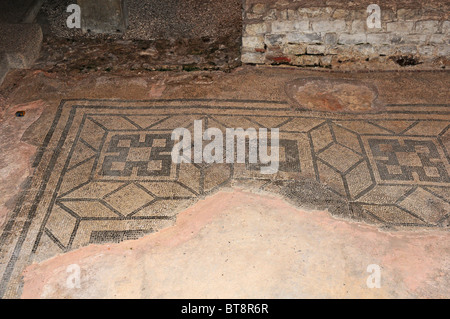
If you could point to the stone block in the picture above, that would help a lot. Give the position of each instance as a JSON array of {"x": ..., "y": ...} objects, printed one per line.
[
  {"x": 288, "y": 26},
  {"x": 330, "y": 38},
  {"x": 275, "y": 39},
  {"x": 426, "y": 50},
  {"x": 446, "y": 27},
  {"x": 358, "y": 38},
  {"x": 400, "y": 26},
  {"x": 443, "y": 51},
  {"x": 359, "y": 26},
  {"x": 306, "y": 60},
  {"x": 366, "y": 50},
  {"x": 427, "y": 27},
  {"x": 303, "y": 37},
  {"x": 259, "y": 8},
  {"x": 326, "y": 61},
  {"x": 414, "y": 38},
  {"x": 388, "y": 15},
  {"x": 333, "y": 50},
  {"x": 438, "y": 38},
  {"x": 315, "y": 12},
  {"x": 253, "y": 58},
  {"x": 253, "y": 42},
  {"x": 408, "y": 14},
  {"x": 360, "y": 14},
  {"x": 329, "y": 25},
  {"x": 294, "y": 49},
  {"x": 385, "y": 50},
  {"x": 342, "y": 14},
  {"x": 256, "y": 28},
  {"x": 289, "y": 14},
  {"x": 379, "y": 38},
  {"x": 316, "y": 49},
  {"x": 270, "y": 15},
  {"x": 407, "y": 49}
]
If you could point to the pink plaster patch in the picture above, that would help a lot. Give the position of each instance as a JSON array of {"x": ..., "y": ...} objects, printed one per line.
[{"x": 295, "y": 254}]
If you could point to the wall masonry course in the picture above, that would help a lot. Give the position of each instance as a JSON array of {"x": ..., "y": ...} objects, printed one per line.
[
  {"x": 439, "y": 39},
  {"x": 249, "y": 57},
  {"x": 379, "y": 38},
  {"x": 358, "y": 38},
  {"x": 407, "y": 49},
  {"x": 426, "y": 50},
  {"x": 330, "y": 38},
  {"x": 443, "y": 50},
  {"x": 329, "y": 25},
  {"x": 256, "y": 42},
  {"x": 291, "y": 32},
  {"x": 275, "y": 39},
  {"x": 295, "y": 49},
  {"x": 315, "y": 12},
  {"x": 257, "y": 28},
  {"x": 316, "y": 49},
  {"x": 414, "y": 38},
  {"x": 288, "y": 26},
  {"x": 427, "y": 27},
  {"x": 307, "y": 37},
  {"x": 400, "y": 26},
  {"x": 408, "y": 14},
  {"x": 446, "y": 27},
  {"x": 359, "y": 26}
]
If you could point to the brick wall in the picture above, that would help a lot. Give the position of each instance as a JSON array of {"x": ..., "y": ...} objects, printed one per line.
[{"x": 332, "y": 33}]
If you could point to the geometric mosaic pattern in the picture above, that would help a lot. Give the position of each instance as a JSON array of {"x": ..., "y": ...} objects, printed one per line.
[{"x": 105, "y": 173}]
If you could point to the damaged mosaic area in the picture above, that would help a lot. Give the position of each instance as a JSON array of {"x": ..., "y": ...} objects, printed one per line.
[{"x": 105, "y": 173}]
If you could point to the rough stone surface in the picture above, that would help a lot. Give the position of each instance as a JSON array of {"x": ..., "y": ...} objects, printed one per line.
[
  {"x": 103, "y": 16},
  {"x": 21, "y": 43},
  {"x": 316, "y": 49},
  {"x": 19, "y": 46},
  {"x": 4, "y": 66},
  {"x": 155, "y": 19},
  {"x": 161, "y": 35},
  {"x": 352, "y": 38},
  {"x": 332, "y": 95},
  {"x": 16, "y": 11},
  {"x": 329, "y": 26}
]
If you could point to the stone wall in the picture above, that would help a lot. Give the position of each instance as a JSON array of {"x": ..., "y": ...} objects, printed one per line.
[{"x": 334, "y": 33}]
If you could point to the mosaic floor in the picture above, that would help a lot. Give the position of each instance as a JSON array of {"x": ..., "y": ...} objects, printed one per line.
[{"x": 105, "y": 172}]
